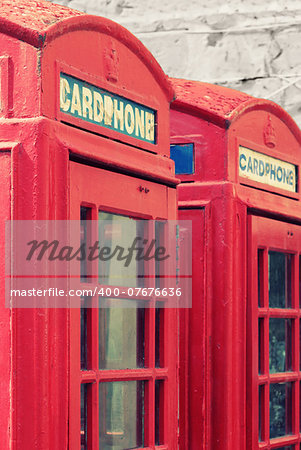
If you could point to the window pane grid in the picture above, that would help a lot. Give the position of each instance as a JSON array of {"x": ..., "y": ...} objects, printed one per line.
[
  {"x": 288, "y": 313},
  {"x": 123, "y": 375},
  {"x": 291, "y": 444},
  {"x": 279, "y": 380},
  {"x": 149, "y": 375}
]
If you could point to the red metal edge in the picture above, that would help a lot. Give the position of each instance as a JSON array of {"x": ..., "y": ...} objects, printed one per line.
[
  {"x": 40, "y": 37},
  {"x": 8, "y": 154},
  {"x": 6, "y": 86},
  {"x": 153, "y": 167}
]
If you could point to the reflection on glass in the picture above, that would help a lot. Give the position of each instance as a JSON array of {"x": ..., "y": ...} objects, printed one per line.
[
  {"x": 116, "y": 235},
  {"x": 280, "y": 268},
  {"x": 280, "y": 345},
  {"x": 280, "y": 409},
  {"x": 83, "y": 417},
  {"x": 121, "y": 334},
  {"x": 85, "y": 236},
  {"x": 158, "y": 411},
  {"x": 121, "y": 415}
]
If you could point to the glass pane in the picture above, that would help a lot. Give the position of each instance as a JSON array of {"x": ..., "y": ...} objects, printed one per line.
[
  {"x": 260, "y": 345},
  {"x": 260, "y": 406},
  {"x": 183, "y": 156},
  {"x": 83, "y": 417},
  {"x": 158, "y": 336},
  {"x": 280, "y": 351},
  {"x": 121, "y": 415},
  {"x": 280, "y": 265},
  {"x": 85, "y": 236},
  {"x": 83, "y": 338},
  {"x": 160, "y": 241},
  {"x": 280, "y": 409},
  {"x": 121, "y": 334},
  {"x": 285, "y": 448},
  {"x": 260, "y": 278},
  {"x": 116, "y": 235},
  {"x": 158, "y": 412}
]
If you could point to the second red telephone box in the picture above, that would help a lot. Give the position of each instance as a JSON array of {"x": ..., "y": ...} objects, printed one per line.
[{"x": 239, "y": 159}]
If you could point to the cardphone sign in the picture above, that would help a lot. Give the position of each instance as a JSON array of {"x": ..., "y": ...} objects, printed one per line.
[
  {"x": 92, "y": 104},
  {"x": 266, "y": 169}
]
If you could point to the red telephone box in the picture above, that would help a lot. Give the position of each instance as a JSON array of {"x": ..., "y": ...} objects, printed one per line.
[
  {"x": 238, "y": 158},
  {"x": 84, "y": 134}
]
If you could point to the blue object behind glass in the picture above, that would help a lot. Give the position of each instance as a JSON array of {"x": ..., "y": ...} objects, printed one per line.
[{"x": 183, "y": 156}]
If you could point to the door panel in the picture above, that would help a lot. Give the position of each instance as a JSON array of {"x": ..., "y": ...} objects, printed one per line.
[
  {"x": 114, "y": 345},
  {"x": 194, "y": 329},
  {"x": 273, "y": 337}
]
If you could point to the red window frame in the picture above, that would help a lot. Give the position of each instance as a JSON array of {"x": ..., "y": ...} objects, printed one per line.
[
  {"x": 268, "y": 235},
  {"x": 99, "y": 189}
]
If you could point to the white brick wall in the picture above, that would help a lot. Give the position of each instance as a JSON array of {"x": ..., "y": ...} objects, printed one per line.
[{"x": 250, "y": 45}]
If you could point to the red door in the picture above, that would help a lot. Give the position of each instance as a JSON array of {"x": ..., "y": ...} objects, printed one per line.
[
  {"x": 193, "y": 347},
  {"x": 123, "y": 391},
  {"x": 273, "y": 336}
]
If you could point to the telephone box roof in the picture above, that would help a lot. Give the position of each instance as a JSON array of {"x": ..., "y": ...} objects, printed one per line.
[
  {"x": 222, "y": 105},
  {"x": 29, "y": 19},
  {"x": 37, "y": 22}
]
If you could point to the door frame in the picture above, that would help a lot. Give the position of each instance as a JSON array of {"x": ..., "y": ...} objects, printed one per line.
[
  {"x": 122, "y": 194},
  {"x": 264, "y": 235}
]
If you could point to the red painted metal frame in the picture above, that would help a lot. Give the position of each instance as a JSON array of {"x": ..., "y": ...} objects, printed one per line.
[
  {"x": 266, "y": 234},
  {"x": 217, "y": 120},
  {"x": 101, "y": 194},
  {"x": 6, "y": 85},
  {"x": 193, "y": 349},
  {"x": 8, "y": 153}
]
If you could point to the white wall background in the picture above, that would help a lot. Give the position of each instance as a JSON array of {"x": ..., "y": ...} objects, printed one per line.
[{"x": 250, "y": 45}]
